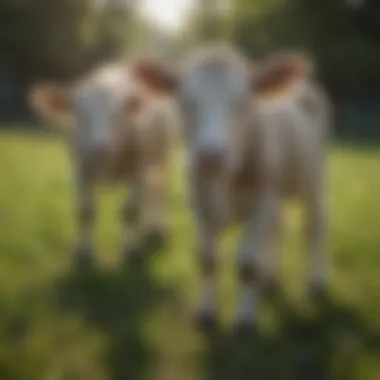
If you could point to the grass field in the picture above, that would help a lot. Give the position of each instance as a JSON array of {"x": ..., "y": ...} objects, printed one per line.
[{"x": 60, "y": 323}]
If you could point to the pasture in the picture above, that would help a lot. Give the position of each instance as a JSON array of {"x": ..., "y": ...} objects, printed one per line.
[{"x": 60, "y": 322}]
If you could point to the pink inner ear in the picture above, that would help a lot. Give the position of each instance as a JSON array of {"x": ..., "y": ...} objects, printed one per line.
[
  {"x": 58, "y": 102},
  {"x": 54, "y": 99},
  {"x": 155, "y": 75},
  {"x": 280, "y": 73}
]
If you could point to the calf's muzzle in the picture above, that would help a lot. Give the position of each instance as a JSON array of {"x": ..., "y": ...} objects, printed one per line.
[{"x": 210, "y": 160}]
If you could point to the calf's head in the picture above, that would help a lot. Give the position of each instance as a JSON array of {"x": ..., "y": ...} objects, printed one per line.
[
  {"x": 111, "y": 96},
  {"x": 215, "y": 90}
]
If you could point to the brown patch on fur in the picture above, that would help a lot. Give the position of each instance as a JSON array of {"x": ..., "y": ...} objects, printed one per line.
[
  {"x": 280, "y": 72},
  {"x": 123, "y": 161},
  {"x": 135, "y": 151},
  {"x": 156, "y": 75},
  {"x": 248, "y": 179},
  {"x": 246, "y": 176}
]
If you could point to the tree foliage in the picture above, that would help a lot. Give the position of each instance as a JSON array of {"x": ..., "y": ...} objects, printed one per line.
[
  {"x": 344, "y": 41},
  {"x": 59, "y": 38}
]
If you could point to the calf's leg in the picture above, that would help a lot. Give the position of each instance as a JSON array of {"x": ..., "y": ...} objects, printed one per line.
[
  {"x": 206, "y": 228},
  {"x": 131, "y": 217},
  {"x": 315, "y": 234},
  {"x": 206, "y": 317},
  {"x": 251, "y": 257},
  {"x": 154, "y": 207},
  {"x": 271, "y": 257},
  {"x": 86, "y": 215}
]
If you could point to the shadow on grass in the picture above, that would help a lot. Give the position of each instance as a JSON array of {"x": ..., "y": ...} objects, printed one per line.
[
  {"x": 118, "y": 303},
  {"x": 321, "y": 346},
  {"x": 320, "y": 343}
]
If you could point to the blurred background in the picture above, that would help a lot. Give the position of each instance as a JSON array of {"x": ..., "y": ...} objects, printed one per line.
[
  {"x": 58, "y": 324},
  {"x": 62, "y": 39}
]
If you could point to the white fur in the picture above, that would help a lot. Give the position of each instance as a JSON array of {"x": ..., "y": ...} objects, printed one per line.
[
  {"x": 289, "y": 147},
  {"x": 98, "y": 106},
  {"x": 209, "y": 94}
]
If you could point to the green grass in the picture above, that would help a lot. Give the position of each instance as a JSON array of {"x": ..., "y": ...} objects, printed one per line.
[{"x": 58, "y": 323}]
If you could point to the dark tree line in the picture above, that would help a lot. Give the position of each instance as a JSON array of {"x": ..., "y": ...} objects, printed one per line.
[
  {"x": 59, "y": 38},
  {"x": 343, "y": 40},
  {"x": 55, "y": 39}
]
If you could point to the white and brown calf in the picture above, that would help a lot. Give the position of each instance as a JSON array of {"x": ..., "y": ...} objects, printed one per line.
[
  {"x": 121, "y": 134},
  {"x": 255, "y": 135}
]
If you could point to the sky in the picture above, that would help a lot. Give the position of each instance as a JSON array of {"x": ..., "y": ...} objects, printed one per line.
[{"x": 169, "y": 14}]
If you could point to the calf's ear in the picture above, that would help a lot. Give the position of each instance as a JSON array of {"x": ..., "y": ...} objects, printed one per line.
[
  {"x": 157, "y": 76},
  {"x": 280, "y": 72},
  {"x": 50, "y": 100}
]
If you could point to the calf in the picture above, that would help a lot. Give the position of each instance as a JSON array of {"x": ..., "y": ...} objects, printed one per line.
[
  {"x": 122, "y": 133},
  {"x": 255, "y": 135}
]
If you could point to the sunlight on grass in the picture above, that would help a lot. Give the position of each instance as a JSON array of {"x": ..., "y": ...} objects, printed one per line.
[{"x": 116, "y": 325}]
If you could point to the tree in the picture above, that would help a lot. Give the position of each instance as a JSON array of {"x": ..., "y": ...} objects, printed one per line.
[
  {"x": 60, "y": 38},
  {"x": 342, "y": 40}
]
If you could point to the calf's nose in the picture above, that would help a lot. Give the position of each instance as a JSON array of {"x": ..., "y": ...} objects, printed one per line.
[
  {"x": 211, "y": 160},
  {"x": 99, "y": 152}
]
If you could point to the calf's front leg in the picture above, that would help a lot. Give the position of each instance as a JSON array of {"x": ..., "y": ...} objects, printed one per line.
[
  {"x": 86, "y": 215},
  {"x": 131, "y": 210},
  {"x": 315, "y": 234},
  {"x": 272, "y": 256},
  {"x": 154, "y": 205},
  {"x": 206, "y": 317},
  {"x": 206, "y": 229},
  {"x": 251, "y": 265}
]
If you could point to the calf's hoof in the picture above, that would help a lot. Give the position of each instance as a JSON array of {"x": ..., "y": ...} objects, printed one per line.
[{"x": 206, "y": 322}]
